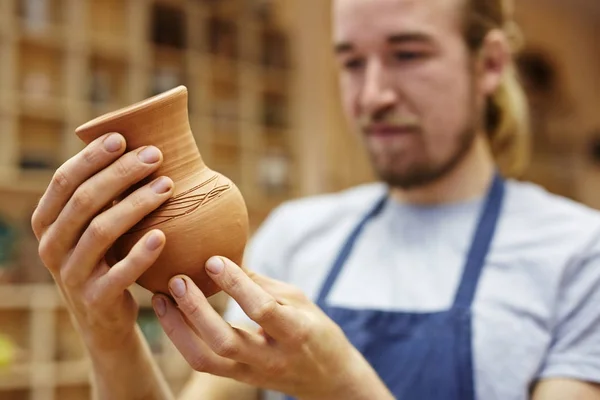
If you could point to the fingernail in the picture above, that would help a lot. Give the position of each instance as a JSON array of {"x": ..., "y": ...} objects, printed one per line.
[
  {"x": 149, "y": 155},
  {"x": 154, "y": 241},
  {"x": 113, "y": 142},
  {"x": 161, "y": 185},
  {"x": 178, "y": 287},
  {"x": 215, "y": 265},
  {"x": 160, "y": 306}
]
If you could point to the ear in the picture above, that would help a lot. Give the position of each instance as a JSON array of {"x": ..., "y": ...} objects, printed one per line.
[{"x": 494, "y": 58}]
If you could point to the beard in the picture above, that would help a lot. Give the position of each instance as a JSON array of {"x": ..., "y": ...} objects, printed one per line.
[
  {"x": 398, "y": 168},
  {"x": 395, "y": 168}
]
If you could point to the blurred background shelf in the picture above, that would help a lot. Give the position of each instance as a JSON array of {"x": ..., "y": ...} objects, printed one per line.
[
  {"x": 64, "y": 62},
  {"x": 264, "y": 108},
  {"x": 47, "y": 352},
  {"x": 72, "y": 60}
]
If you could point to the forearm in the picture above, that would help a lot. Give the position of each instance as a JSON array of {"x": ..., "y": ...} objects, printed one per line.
[
  {"x": 129, "y": 373},
  {"x": 358, "y": 382},
  {"x": 366, "y": 389},
  {"x": 556, "y": 389},
  {"x": 365, "y": 386},
  {"x": 209, "y": 387}
]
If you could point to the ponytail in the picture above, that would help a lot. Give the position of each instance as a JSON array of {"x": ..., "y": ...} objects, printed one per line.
[
  {"x": 507, "y": 113},
  {"x": 507, "y": 123}
]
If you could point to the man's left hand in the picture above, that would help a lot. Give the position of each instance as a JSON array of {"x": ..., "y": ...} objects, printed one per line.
[{"x": 298, "y": 350}]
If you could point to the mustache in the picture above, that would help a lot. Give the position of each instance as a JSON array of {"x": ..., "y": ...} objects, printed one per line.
[{"x": 393, "y": 119}]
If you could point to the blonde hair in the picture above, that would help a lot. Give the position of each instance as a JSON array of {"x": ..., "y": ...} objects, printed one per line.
[{"x": 507, "y": 113}]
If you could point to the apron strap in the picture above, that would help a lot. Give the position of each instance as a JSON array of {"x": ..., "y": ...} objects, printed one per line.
[
  {"x": 480, "y": 244},
  {"x": 346, "y": 250},
  {"x": 475, "y": 260}
]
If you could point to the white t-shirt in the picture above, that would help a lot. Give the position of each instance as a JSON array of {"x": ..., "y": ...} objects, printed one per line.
[{"x": 537, "y": 304}]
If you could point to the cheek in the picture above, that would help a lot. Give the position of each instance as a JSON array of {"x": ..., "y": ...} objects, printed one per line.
[{"x": 441, "y": 98}]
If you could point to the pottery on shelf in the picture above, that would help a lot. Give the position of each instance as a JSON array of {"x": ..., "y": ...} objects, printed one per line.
[{"x": 206, "y": 215}]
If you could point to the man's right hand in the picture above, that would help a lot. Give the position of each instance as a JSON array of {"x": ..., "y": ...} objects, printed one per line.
[{"x": 76, "y": 224}]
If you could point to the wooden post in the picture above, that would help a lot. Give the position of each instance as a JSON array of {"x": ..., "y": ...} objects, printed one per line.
[{"x": 8, "y": 137}]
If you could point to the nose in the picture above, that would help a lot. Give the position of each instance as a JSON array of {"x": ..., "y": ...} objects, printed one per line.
[{"x": 378, "y": 94}]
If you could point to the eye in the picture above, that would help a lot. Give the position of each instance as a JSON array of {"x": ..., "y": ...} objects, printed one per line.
[
  {"x": 353, "y": 64},
  {"x": 407, "y": 55}
]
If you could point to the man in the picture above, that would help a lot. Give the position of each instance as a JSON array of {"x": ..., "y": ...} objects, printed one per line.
[{"x": 444, "y": 281}]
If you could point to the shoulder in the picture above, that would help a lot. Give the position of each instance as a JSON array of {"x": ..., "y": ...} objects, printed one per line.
[
  {"x": 308, "y": 218},
  {"x": 533, "y": 210},
  {"x": 565, "y": 234},
  {"x": 533, "y": 196},
  {"x": 551, "y": 241}
]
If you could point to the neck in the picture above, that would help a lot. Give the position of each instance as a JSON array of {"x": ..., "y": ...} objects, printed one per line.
[{"x": 470, "y": 179}]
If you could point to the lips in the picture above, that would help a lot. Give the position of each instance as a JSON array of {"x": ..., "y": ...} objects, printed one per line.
[{"x": 390, "y": 130}]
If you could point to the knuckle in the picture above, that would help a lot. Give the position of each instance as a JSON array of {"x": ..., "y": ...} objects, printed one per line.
[
  {"x": 82, "y": 200},
  {"x": 265, "y": 311},
  {"x": 193, "y": 310},
  {"x": 232, "y": 282},
  {"x": 121, "y": 168},
  {"x": 46, "y": 249},
  {"x": 36, "y": 223},
  {"x": 138, "y": 201},
  {"x": 89, "y": 155},
  {"x": 91, "y": 300},
  {"x": 169, "y": 329},
  {"x": 300, "y": 335},
  {"x": 60, "y": 182},
  {"x": 68, "y": 278},
  {"x": 99, "y": 231},
  {"x": 226, "y": 347},
  {"x": 276, "y": 366},
  {"x": 199, "y": 362}
]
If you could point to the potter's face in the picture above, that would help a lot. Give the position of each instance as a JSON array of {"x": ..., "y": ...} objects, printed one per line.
[{"x": 407, "y": 84}]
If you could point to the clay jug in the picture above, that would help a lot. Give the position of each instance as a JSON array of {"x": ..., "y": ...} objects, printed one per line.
[{"x": 206, "y": 215}]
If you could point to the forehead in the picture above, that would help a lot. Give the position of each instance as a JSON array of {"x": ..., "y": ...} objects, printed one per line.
[{"x": 356, "y": 20}]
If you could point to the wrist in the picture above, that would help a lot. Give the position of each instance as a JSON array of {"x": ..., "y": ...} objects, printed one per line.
[
  {"x": 358, "y": 382},
  {"x": 101, "y": 337},
  {"x": 127, "y": 371},
  {"x": 105, "y": 354}
]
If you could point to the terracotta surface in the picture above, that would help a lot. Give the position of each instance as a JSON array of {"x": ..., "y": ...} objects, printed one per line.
[{"x": 206, "y": 215}]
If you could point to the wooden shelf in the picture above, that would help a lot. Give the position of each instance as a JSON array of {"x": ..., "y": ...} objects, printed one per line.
[
  {"x": 108, "y": 45},
  {"x": 10, "y": 183},
  {"x": 107, "y": 20},
  {"x": 47, "y": 296},
  {"x": 52, "y": 374},
  {"x": 21, "y": 181},
  {"x": 48, "y": 108},
  {"x": 85, "y": 58},
  {"x": 223, "y": 69},
  {"x": 52, "y": 36},
  {"x": 63, "y": 373},
  {"x": 107, "y": 83}
]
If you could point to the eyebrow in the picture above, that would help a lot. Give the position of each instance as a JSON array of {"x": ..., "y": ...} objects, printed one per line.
[
  {"x": 399, "y": 38},
  {"x": 409, "y": 37},
  {"x": 343, "y": 47}
]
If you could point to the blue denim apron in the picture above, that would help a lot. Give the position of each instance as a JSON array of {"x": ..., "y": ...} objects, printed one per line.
[{"x": 421, "y": 356}]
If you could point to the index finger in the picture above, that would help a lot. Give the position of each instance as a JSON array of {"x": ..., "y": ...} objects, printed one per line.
[
  {"x": 278, "y": 321},
  {"x": 97, "y": 155}
]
